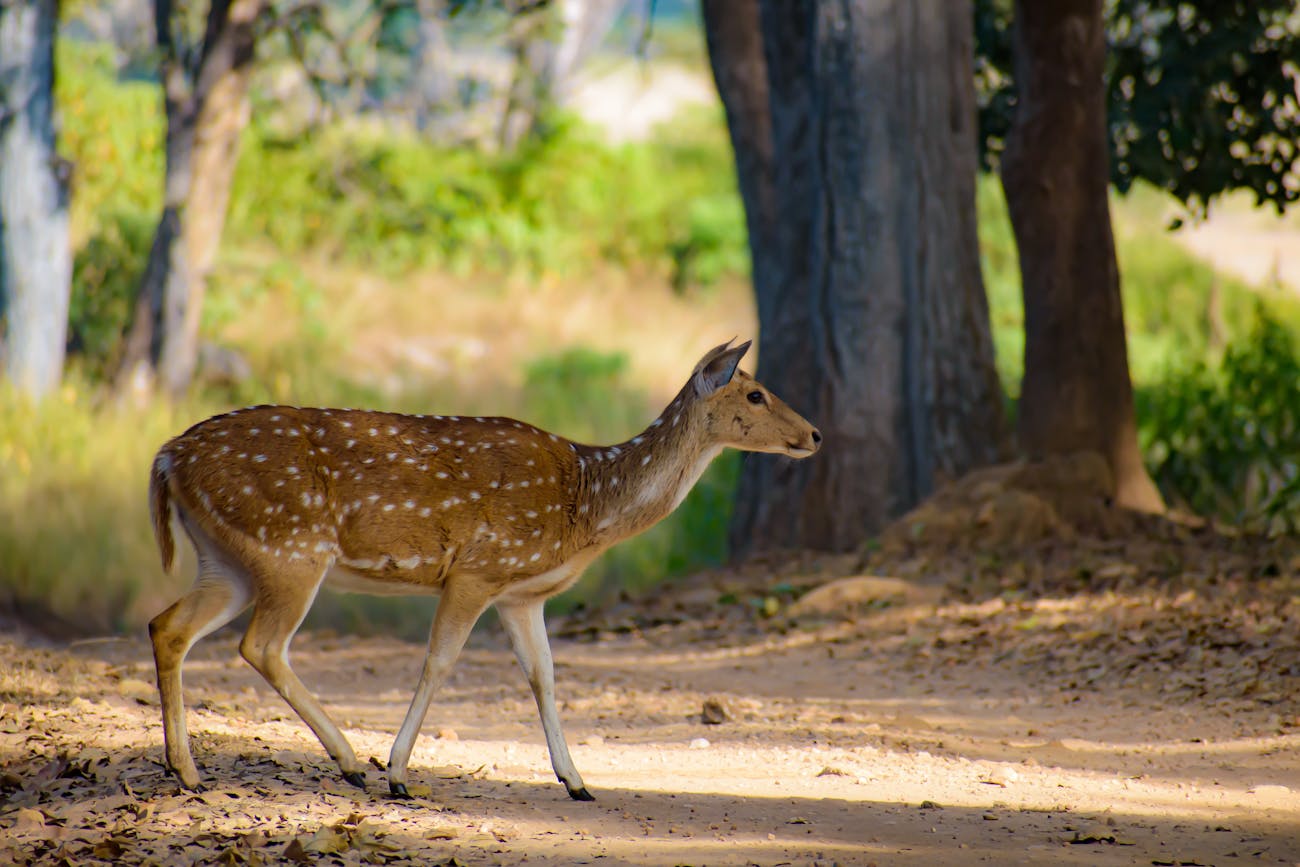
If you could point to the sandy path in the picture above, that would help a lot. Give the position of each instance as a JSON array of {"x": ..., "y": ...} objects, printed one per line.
[{"x": 850, "y": 744}]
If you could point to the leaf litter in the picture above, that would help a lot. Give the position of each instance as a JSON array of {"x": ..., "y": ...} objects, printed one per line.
[{"x": 1056, "y": 594}]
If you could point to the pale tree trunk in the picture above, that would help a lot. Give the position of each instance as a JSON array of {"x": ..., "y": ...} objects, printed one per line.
[
  {"x": 434, "y": 89},
  {"x": 1076, "y": 394},
  {"x": 35, "y": 257},
  {"x": 585, "y": 23},
  {"x": 549, "y": 40},
  {"x": 873, "y": 315},
  {"x": 207, "y": 111}
]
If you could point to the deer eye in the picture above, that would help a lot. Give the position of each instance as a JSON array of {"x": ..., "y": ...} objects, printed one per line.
[{"x": 755, "y": 397}]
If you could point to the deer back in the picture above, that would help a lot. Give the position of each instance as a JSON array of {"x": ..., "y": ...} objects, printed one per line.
[{"x": 392, "y": 497}]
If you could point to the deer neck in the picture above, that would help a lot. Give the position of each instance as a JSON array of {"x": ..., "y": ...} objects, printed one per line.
[{"x": 630, "y": 486}]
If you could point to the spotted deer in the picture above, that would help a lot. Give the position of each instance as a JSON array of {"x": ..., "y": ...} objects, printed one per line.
[{"x": 279, "y": 500}]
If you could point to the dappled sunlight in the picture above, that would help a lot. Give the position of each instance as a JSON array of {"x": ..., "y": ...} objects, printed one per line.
[
  {"x": 268, "y": 783},
  {"x": 840, "y": 741},
  {"x": 422, "y": 208}
]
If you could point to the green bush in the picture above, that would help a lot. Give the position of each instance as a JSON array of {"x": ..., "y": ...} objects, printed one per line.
[
  {"x": 559, "y": 205},
  {"x": 583, "y": 394},
  {"x": 105, "y": 273},
  {"x": 1226, "y": 440},
  {"x": 112, "y": 132},
  {"x": 1170, "y": 297}
]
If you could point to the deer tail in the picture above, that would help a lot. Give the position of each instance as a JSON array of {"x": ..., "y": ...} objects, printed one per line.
[{"x": 160, "y": 509}]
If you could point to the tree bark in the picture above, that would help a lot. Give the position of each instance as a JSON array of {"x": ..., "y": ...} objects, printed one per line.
[
  {"x": 35, "y": 257},
  {"x": 872, "y": 309},
  {"x": 207, "y": 111},
  {"x": 1076, "y": 393}
]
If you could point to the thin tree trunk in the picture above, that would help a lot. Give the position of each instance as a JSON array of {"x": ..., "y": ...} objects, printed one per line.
[
  {"x": 1076, "y": 393},
  {"x": 584, "y": 24},
  {"x": 35, "y": 257},
  {"x": 207, "y": 111},
  {"x": 872, "y": 309},
  {"x": 433, "y": 91},
  {"x": 550, "y": 40},
  {"x": 532, "y": 39}
]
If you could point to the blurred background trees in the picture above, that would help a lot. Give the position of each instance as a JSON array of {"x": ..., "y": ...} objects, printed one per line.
[
  {"x": 204, "y": 82},
  {"x": 347, "y": 201}
]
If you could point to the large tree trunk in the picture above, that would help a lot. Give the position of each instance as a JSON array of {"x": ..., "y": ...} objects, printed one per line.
[
  {"x": 207, "y": 110},
  {"x": 873, "y": 315},
  {"x": 1076, "y": 392},
  {"x": 35, "y": 258}
]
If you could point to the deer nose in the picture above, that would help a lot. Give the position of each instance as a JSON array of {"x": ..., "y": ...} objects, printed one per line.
[{"x": 817, "y": 436}]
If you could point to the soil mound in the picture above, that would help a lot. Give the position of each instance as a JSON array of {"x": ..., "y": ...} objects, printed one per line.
[{"x": 1014, "y": 505}]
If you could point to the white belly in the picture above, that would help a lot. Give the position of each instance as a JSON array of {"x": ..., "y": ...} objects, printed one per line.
[
  {"x": 552, "y": 581},
  {"x": 343, "y": 579}
]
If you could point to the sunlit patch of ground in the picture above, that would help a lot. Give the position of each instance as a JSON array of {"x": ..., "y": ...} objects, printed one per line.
[{"x": 945, "y": 732}]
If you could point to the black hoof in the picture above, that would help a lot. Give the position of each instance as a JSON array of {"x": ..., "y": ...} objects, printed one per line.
[
  {"x": 356, "y": 778},
  {"x": 169, "y": 771},
  {"x": 398, "y": 790},
  {"x": 581, "y": 794}
]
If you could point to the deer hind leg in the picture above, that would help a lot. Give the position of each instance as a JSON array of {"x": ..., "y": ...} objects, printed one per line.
[
  {"x": 526, "y": 625},
  {"x": 219, "y": 594},
  {"x": 282, "y": 601},
  {"x": 458, "y": 610}
]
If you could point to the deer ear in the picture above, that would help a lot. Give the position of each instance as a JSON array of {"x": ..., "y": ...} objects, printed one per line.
[{"x": 717, "y": 367}]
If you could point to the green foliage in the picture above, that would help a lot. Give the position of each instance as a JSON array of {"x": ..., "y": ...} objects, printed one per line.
[
  {"x": 1001, "y": 267},
  {"x": 582, "y": 394},
  {"x": 113, "y": 132},
  {"x": 714, "y": 243},
  {"x": 558, "y": 205},
  {"x": 1202, "y": 97},
  {"x": 1225, "y": 441},
  {"x": 105, "y": 273},
  {"x": 1177, "y": 310},
  {"x": 1201, "y": 94}
]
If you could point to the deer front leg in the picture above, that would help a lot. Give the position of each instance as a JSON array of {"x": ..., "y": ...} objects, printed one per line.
[
  {"x": 526, "y": 625},
  {"x": 458, "y": 610}
]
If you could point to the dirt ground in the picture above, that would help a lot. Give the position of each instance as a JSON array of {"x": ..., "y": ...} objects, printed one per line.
[
  {"x": 1013, "y": 673},
  {"x": 926, "y": 732}
]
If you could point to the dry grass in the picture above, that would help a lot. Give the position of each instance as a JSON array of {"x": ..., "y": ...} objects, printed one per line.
[{"x": 416, "y": 332}]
